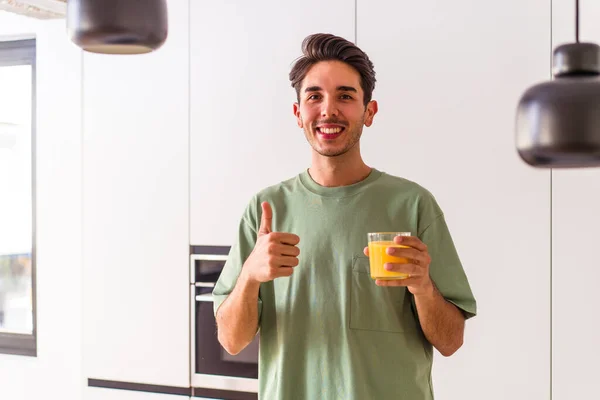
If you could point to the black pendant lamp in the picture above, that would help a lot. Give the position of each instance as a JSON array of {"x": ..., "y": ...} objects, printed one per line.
[
  {"x": 117, "y": 26},
  {"x": 558, "y": 122}
]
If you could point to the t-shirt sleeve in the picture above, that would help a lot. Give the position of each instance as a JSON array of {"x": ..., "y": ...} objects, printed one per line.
[
  {"x": 239, "y": 252},
  {"x": 446, "y": 269}
]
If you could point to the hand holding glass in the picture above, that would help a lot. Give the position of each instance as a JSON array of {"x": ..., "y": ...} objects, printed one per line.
[{"x": 379, "y": 242}]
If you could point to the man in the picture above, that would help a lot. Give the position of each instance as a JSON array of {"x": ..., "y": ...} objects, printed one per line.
[{"x": 299, "y": 269}]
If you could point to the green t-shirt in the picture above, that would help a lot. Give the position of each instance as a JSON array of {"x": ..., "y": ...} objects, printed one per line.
[{"x": 327, "y": 331}]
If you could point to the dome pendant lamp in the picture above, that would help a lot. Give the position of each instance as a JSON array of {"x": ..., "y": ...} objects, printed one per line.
[
  {"x": 558, "y": 122},
  {"x": 117, "y": 26}
]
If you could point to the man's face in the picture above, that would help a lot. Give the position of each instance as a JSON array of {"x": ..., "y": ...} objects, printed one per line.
[{"x": 331, "y": 109}]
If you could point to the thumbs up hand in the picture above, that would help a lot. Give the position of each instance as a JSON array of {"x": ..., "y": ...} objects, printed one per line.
[
  {"x": 275, "y": 253},
  {"x": 266, "y": 220}
]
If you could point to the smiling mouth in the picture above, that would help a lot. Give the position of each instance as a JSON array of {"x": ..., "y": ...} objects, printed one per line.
[{"x": 330, "y": 133}]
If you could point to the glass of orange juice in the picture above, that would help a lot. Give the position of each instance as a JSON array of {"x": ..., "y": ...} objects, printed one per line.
[{"x": 378, "y": 244}]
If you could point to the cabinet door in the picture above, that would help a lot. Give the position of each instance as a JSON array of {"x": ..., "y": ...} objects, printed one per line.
[
  {"x": 575, "y": 237},
  {"x": 450, "y": 75},
  {"x": 243, "y": 133},
  {"x": 93, "y": 393},
  {"x": 136, "y": 240}
]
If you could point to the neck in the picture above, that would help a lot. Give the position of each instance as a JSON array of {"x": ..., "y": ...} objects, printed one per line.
[{"x": 342, "y": 170}]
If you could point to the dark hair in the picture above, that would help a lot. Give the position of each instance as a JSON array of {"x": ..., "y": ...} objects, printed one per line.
[{"x": 327, "y": 47}]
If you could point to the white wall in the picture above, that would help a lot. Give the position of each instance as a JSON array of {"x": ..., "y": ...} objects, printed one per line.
[
  {"x": 135, "y": 210},
  {"x": 56, "y": 372},
  {"x": 576, "y": 265}
]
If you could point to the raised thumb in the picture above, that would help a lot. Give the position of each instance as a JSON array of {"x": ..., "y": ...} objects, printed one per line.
[{"x": 266, "y": 219}]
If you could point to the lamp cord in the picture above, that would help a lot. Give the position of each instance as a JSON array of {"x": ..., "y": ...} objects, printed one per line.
[{"x": 577, "y": 21}]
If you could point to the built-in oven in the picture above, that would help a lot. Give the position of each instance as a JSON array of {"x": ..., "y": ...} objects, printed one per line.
[{"x": 212, "y": 367}]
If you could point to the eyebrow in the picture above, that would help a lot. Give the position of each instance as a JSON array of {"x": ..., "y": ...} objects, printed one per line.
[{"x": 339, "y": 89}]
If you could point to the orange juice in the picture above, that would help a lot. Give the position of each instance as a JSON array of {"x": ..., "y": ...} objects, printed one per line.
[{"x": 378, "y": 257}]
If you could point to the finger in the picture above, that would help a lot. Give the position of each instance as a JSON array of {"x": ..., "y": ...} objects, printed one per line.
[
  {"x": 286, "y": 238},
  {"x": 396, "y": 282},
  {"x": 410, "y": 253},
  {"x": 411, "y": 241},
  {"x": 366, "y": 251},
  {"x": 278, "y": 249},
  {"x": 286, "y": 261},
  {"x": 284, "y": 271},
  {"x": 410, "y": 269},
  {"x": 286, "y": 250},
  {"x": 266, "y": 219}
]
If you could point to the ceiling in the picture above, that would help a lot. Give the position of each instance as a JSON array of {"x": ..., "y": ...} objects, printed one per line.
[{"x": 39, "y": 9}]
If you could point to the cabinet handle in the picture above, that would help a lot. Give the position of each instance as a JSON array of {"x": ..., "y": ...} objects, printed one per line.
[
  {"x": 205, "y": 297},
  {"x": 205, "y": 284},
  {"x": 208, "y": 257}
]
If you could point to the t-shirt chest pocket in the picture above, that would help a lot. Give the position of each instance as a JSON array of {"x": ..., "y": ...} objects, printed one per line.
[{"x": 378, "y": 308}]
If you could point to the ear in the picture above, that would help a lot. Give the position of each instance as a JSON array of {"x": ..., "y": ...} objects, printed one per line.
[
  {"x": 370, "y": 112},
  {"x": 298, "y": 116}
]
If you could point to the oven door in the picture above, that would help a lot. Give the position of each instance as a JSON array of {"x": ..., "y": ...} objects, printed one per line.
[{"x": 212, "y": 366}]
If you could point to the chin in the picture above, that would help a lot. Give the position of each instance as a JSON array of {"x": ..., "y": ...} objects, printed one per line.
[{"x": 332, "y": 152}]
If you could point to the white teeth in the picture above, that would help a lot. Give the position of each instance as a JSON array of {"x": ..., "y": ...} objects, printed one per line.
[{"x": 330, "y": 131}]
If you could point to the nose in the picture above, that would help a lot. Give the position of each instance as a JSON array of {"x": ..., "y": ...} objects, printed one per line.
[{"x": 329, "y": 109}]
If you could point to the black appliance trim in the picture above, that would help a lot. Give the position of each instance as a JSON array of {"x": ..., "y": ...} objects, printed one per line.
[
  {"x": 218, "y": 250},
  {"x": 140, "y": 387},
  {"x": 224, "y": 394},
  {"x": 173, "y": 390}
]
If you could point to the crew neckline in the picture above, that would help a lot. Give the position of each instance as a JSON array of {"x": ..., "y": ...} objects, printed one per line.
[{"x": 337, "y": 191}]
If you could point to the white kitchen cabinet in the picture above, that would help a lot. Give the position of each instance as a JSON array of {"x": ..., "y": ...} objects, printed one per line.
[
  {"x": 93, "y": 393},
  {"x": 575, "y": 238},
  {"x": 575, "y": 276},
  {"x": 243, "y": 132},
  {"x": 450, "y": 75},
  {"x": 135, "y": 212}
]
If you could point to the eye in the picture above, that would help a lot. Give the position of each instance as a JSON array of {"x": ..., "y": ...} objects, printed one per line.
[
  {"x": 346, "y": 97},
  {"x": 314, "y": 97}
]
